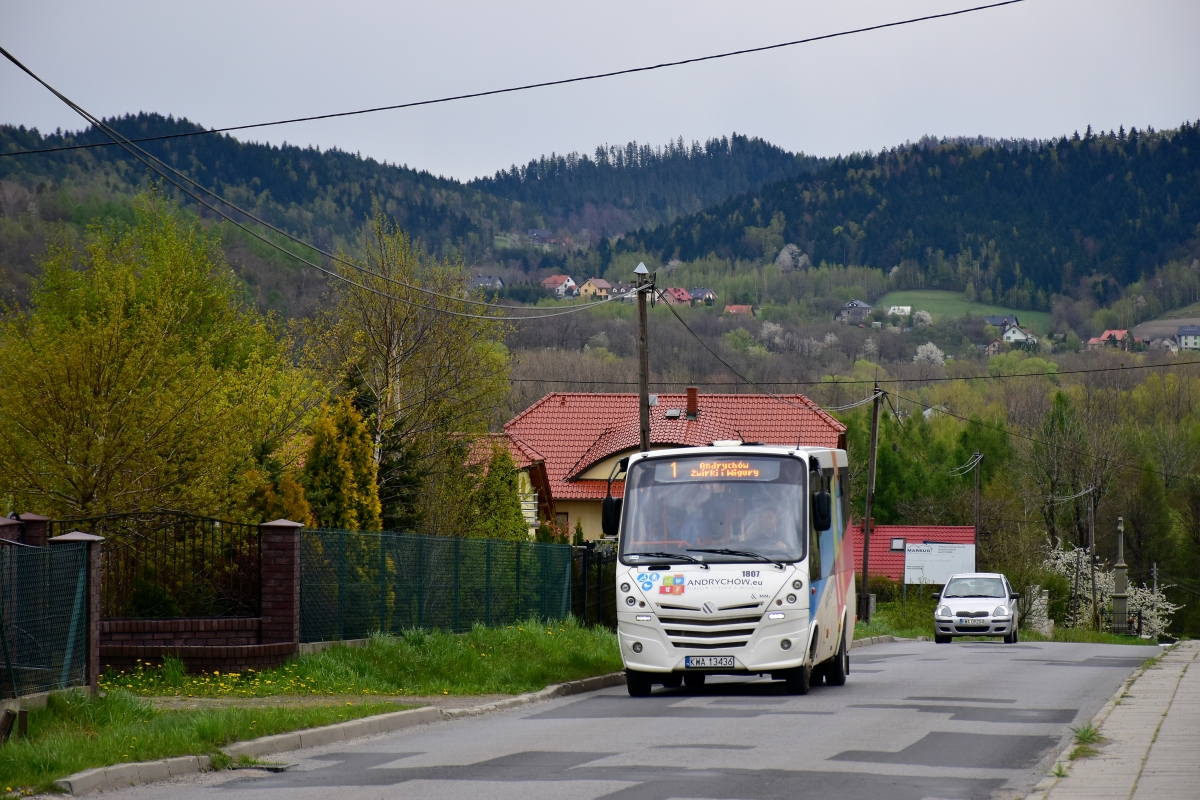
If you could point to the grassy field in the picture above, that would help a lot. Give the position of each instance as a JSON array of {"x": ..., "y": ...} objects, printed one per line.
[
  {"x": 952, "y": 304},
  {"x": 520, "y": 658},
  {"x": 77, "y": 732}
]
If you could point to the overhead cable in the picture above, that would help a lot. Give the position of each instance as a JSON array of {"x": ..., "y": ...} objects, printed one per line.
[{"x": 539, "y": 85}]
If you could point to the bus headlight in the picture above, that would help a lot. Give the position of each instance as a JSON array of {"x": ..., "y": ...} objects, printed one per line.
[
  {"x": 631, "y": 600},
  {"x": 624, "y": 587},
  {"x": 636, "y": 647},
  {"x": 791, "y": 598},
  {"x": 786, "y": 644},
  {"x": 797, "y": 584}
]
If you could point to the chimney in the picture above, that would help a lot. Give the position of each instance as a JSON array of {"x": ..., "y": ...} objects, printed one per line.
[{"x": 693, "y": 402}]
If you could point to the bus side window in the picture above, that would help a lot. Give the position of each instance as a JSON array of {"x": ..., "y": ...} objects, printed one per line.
[
  {"x": 814, "y": 548},
  {"x": 843, "y": 495}
]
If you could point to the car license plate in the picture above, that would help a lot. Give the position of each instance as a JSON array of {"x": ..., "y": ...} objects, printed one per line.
[{"x": 693, "y": 662}]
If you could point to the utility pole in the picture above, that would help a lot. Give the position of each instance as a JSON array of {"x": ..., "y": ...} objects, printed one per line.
[
  {"x": 1092, "y": 553},
  {"x": 978, "y": 459},
  {"x": 864, "y": 600},
  {"x": 643, "y": 287}
]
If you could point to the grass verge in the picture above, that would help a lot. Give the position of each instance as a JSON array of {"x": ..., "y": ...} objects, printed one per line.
[
  {"x": 914, "y": 618},
  {"x": 520, "y": 658},
  {"x": 77, "y": 732}
]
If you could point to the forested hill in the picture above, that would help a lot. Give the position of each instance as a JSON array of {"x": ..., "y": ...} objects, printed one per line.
[
  {"x": 622, "y": 188},
  {"x": 321, "y": 195},
  {"x": 1009, "y": 221}
]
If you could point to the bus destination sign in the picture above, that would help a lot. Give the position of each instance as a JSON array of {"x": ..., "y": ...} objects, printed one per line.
[{"x": 717, "y": 469}]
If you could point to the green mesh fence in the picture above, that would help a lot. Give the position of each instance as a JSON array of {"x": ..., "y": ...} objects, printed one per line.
[
  {"x": 355, "y": 582},
  {"x": 43, "y": 617}
]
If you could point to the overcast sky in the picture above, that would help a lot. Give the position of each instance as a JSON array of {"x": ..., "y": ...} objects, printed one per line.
[{"x": 1036, "y": 69}]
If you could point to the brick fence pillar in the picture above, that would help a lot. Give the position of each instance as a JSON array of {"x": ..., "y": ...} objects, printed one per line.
[
  {"x": 280, "y": 587},
  {"x": 10, "y": 530},
  {"x": 37, "y": 529},
  {"x": 94, "y": 543}
]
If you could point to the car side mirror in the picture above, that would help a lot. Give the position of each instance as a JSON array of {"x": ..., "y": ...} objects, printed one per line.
[
  {"x": 1015, "y": 596},
  {"x": 610, "y": 515},
  {"x": 937, "y": 595},
  {"x": 822, "y": 511}
]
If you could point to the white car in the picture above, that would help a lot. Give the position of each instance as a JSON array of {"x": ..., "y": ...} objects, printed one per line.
[{"x": 976, "y": 604}]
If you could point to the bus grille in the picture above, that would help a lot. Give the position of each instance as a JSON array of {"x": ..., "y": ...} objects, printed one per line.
[{"x": 709, "y": 633}]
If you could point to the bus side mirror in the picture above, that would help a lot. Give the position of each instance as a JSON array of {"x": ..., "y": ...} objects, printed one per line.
[
  {"x": 822, "y": 511},
  {"x": 610, "y": 515}
]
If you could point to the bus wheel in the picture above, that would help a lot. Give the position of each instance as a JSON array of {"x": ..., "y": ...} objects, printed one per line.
[
  {"x": 673, "y": 681},
  {"x": 638, "y": 683},
  {"x": 694, "y": 680},
  {"x": 837, "y": 667},
  {"x": 797, "y": 680}
]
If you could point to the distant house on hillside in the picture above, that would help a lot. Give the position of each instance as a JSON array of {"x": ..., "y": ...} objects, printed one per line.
[
  {"x": 625, "y": 292},
  {"x": 740, "y": 311},
  {"x": 492, "y": 283},
  {"x": 853, "y": 312},
  {"x": 703, "y": 296},
  {"x": 1003, "y": 323},
  {"x": 994, "y": 348},
  {"x": 900, "y": 311},
  {"x": 1110, "y": 338},
  {"x": 560, "y": 286},
  {"x": 595, "y": 288},
  {"x": 538, "y": 236},
  {"x": 1188, "y": 337},
  {"x": 1016, "y": 335},
  {"x": 677, "y": 297}
]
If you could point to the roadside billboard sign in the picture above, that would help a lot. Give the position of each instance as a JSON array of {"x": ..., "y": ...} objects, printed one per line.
[{"x": 935, "y": 562}]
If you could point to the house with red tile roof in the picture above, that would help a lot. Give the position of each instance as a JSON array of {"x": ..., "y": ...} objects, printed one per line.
[
  {"x": 677, "y": 297},
  {"x": 740, "y": 311},
  {"x": 888, "y": 541},
  {"x": 560, "y": 285},
  {"x": 581, "y": 436},
  {"x": 1110, "y": 338}
]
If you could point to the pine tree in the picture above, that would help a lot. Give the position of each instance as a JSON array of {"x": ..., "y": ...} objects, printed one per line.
[
  {"x": 497, "y": 501},
  {"x": 339, "y": 471}
]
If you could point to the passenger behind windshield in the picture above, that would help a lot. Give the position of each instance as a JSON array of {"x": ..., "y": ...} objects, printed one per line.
[
  {"x": 749, "y": 504},
  {"x": 974, "y": 587}
]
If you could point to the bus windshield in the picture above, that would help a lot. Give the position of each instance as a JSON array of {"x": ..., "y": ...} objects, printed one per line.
[{"x": 752, "y": 504}]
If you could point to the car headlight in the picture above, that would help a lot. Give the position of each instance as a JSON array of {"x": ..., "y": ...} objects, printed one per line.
[
  {"x": 1001, "y": 611},
  {"x": 943, "y": 611}
]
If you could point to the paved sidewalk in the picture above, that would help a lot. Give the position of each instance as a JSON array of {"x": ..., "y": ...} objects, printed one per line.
[{"x": 1151, "y": 739}]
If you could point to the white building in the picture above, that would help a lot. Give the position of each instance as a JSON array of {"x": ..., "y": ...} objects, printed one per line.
[
  {"x": 1015, "y": 335},
  {"x": 900, "y": 311},
  {"x": 1189, "y": 337}
]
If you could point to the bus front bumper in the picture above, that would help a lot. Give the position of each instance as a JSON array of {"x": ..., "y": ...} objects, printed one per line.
[{"x": 775, "y": 645}]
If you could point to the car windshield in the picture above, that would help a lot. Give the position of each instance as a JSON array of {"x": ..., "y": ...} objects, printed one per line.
[
  {"x": 687, "y": 505},
  {"x": 974, "y": 587}
]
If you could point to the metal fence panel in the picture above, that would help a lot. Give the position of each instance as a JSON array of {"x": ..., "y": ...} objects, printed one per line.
[
  {"x": 353, "y": 583},
  {"x": 593, "y": 586},
  {"x": 43, "y": 618},
  {"x": 165, "y": 564}
]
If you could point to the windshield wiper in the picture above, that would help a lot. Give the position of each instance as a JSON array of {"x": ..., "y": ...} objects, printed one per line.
[
  {"x": 993, "y": 596},
  {"x": 680, "y": 556},
  {"x": 725, "y": 551}
]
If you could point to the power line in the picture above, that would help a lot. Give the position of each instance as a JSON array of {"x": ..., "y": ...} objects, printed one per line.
[
  {"x": 143, "y": 157},
  {"x": 1033, "y": 439},
  {"x": 540, "y": 85}
]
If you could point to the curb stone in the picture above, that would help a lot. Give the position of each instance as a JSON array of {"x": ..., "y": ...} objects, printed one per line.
[
  {"x": 119, "y": 776},
  {"x": 1043, "y": 787},
  {"x": 870, "y": 640}
]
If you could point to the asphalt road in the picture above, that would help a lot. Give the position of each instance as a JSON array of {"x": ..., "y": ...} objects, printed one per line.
[{"x": 914, "y": 720}]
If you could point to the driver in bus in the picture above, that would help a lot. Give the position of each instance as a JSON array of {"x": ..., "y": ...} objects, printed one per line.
[{"x": 764, "y": 532}]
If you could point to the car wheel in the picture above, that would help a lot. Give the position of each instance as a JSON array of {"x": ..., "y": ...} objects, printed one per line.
[
  {"x": 673, "y": 681},
  {"x": 638, "y": 683},
  {"x": 798, "y": 679},
  {"x": 694, "y": 680},
  {"x": 939, "y": 639},
  {"x": 838, "y": 667},
  {"x": 1016, "y": 635}
]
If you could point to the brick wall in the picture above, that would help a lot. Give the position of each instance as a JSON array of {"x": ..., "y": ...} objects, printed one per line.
[{"x": 181, "y": 632}]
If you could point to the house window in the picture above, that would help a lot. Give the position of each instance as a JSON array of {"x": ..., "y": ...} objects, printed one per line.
[
  {"x": 561, "y": 519},
  {"x": 898, "y": 543}
]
